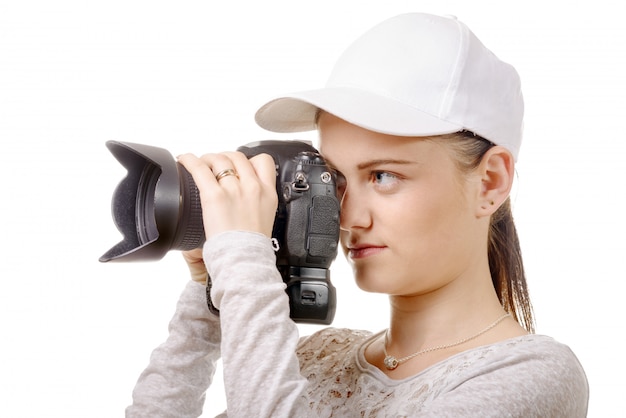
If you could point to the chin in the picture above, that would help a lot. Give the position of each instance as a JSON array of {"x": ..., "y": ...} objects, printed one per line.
[{"x": 371, "y": 283}]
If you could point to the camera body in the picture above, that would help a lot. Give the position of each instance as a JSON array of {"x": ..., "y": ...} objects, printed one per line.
[
  {"x": 306, "y": 226},
  {"x": 157, "y": 208}
]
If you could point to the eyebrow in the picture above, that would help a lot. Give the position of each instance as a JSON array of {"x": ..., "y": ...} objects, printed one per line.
[
  {"x": 376, "y": 163},
  {"x": 373, "y": 163}
]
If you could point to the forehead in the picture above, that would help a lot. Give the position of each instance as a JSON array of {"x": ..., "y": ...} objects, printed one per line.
[{"x": 343, "y": 144}]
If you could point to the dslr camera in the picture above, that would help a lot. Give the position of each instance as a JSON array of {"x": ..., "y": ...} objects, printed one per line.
[{"x": 156, "y": 207}]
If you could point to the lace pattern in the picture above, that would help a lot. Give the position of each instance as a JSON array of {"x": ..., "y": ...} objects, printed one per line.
[{"x": 343, "y": 384}]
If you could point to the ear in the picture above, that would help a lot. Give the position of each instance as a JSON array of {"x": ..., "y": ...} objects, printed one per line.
[{"x": 496, "y": 171}]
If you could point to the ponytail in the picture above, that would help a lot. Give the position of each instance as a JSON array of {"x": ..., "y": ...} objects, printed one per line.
[{"x": 507, "y": 269}]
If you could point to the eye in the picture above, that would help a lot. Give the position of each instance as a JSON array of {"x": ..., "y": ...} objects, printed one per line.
[{"x": 384, "y": 179}]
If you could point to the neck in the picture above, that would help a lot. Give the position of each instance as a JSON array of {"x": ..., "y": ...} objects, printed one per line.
[{"x": 442, "y": 316}]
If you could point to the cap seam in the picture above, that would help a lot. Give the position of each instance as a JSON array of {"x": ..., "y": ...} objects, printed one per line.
[{"x": 452, "y": 87}]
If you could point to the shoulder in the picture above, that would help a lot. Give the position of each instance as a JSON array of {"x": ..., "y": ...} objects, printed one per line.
[
  {"x": 528, "y": 355},
  {"x": 536, "y": 349},
  {"x": 539, "y": 371},
  {"x": 335, "y": 345}
]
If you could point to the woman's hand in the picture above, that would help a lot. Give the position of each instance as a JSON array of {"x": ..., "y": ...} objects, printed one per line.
[
  {"x": 242, "y": 198},
  {"x": 195, "y": 262}
]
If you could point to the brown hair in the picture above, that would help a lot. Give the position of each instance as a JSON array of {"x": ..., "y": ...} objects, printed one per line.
[{"x": 504, "y": 252}]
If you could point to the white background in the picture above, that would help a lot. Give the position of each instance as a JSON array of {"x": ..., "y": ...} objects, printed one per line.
[{"x": 188, "y": 76}]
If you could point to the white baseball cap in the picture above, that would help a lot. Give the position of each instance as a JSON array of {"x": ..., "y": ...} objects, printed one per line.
[{"x": 413, "y": 75}]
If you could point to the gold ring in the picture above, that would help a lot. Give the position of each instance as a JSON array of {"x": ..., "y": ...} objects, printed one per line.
[{"x": 225, "y": 173}]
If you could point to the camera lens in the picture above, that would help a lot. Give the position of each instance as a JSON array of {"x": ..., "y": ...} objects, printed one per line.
[{"x": 157, "y": 208}]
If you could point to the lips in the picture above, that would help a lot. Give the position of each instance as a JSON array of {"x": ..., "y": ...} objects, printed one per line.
[{"x": 361, "y": 251}]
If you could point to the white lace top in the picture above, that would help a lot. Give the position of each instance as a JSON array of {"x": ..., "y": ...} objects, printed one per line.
[
  {"x": 529, "y": 376},
  {"x": 270, "y": 372}
]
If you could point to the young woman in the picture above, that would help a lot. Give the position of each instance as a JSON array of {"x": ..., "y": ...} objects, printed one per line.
[{"x": 422, "y": 125}]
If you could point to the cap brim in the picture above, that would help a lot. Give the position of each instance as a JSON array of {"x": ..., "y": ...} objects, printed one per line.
[{"x": 296, "y": 113}]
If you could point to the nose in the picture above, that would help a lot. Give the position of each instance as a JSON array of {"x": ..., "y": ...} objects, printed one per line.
[{"x": 354, "y": 211}]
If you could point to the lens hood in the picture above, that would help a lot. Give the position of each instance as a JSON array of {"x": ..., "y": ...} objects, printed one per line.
[{"x": 147, "y": 205}]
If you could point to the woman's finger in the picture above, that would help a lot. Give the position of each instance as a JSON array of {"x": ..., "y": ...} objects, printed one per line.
[{"x": 265, "y": 168}]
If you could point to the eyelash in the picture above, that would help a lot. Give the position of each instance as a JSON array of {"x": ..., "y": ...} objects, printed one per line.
[{"x": 374, "y": 178}]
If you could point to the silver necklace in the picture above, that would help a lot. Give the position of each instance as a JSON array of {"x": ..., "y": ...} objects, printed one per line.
[{"x": 391, "y": 362}]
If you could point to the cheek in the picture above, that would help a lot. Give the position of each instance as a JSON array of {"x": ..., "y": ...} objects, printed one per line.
[
  {"x": 429, "y": 224},
  {"x": 343, "y": 240}
]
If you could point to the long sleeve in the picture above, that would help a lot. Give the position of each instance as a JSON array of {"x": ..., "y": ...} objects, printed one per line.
[
  {"x": 182, "y": 368},
  {"x": 261, "y": 370}
]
